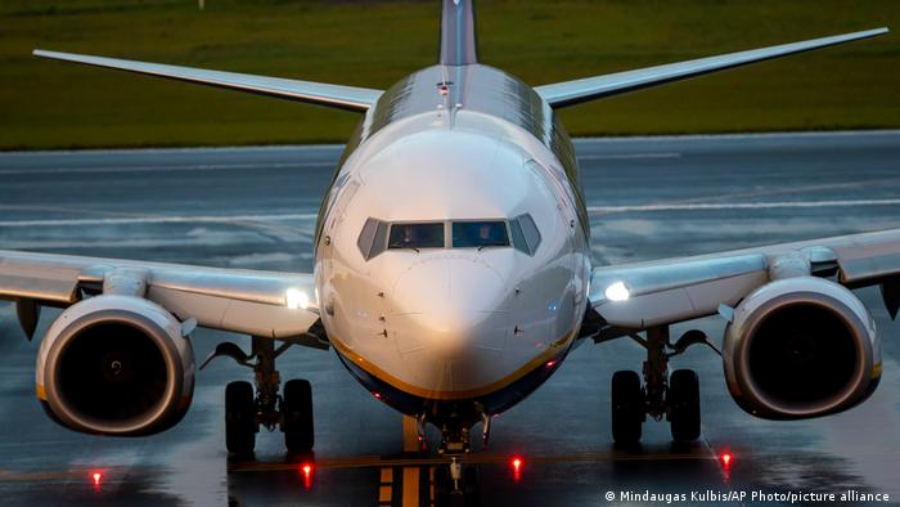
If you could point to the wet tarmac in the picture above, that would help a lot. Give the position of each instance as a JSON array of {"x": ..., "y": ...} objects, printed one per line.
[{"x": 255, "y": 208}]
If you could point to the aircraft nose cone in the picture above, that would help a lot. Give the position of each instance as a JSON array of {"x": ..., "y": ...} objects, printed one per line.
[{"x": 450, "y": 306}]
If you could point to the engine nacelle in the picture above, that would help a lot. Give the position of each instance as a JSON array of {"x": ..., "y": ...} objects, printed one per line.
[
  {"x": 799, "y": 348},
  {"x": 116, "y": 365}
]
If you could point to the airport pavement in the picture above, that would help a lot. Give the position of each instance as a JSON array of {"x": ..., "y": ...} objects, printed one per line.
[{"x": 255, "y": 208}]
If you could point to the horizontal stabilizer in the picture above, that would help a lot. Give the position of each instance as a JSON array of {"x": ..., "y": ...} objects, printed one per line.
[
  {"x": 582, "y": 90},
  {"x": 342, "y": 97}
]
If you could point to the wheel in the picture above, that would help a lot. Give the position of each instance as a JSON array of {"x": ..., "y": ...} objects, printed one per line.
[
  {"x": 627, "y": 407},
  {"x": 240, "y": 418},
  {"x": 683, "y": 399},
  {"x": 297, "y": 416}
]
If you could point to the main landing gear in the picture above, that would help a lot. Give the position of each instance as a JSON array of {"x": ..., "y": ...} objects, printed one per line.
[
  {"x": 246, "y": 409},
  {"x": 675, "y": 397}
]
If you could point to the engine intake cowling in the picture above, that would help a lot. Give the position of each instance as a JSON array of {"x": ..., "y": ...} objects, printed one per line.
[
  {"x": 116, "y": 365},
  {"x": 799, "y": 348}
]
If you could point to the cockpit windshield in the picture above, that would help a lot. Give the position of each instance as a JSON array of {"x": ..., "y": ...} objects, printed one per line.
[
  {"x": 417, "y": 235},
  {"x": 378, "y": 235},
  {"x": 479, "y": 234}
]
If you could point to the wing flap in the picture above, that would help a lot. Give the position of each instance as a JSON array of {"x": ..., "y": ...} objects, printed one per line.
[
  {"x": 20, "y": 279},
  {"x": 868, "y": 257},
  {"x": 582, "y": 90},
  {"x": 339, "y": 96}
]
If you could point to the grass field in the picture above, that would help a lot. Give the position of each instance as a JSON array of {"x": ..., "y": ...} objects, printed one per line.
[{"x": 46, "y": 104}]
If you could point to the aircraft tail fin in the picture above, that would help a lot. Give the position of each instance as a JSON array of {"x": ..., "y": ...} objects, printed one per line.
[{"x": 459, "y": 45}]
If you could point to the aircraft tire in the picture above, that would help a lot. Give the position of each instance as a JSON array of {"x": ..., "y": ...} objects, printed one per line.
[
  {"x": 683, "y": 399},
  {"x": 297, "y": 416},
  {"x": 240, "y": 418},
  {"x": 627, "y": 407}
]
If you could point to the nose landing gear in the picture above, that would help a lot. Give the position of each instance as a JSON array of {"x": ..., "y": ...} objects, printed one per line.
[
  {"x": 456, "y": 483},
  {"x": 675, "y": 397},
  {"x": 246, "y": 409}
]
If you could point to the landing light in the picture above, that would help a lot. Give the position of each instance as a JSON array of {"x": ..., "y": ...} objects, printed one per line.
[
  {"x": 296, "y": 299},
  {"x": 618, "y": 292}
]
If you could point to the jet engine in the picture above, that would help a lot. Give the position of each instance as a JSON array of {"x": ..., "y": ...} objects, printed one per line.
[
  {"x": 799, "y": 348},
  {"x": 116, "y": 365}
]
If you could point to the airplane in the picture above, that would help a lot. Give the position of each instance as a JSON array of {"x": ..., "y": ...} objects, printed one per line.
[{"x": 453, "y": 277}]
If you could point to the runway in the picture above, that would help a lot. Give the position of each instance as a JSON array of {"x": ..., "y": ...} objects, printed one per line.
[{"x": 255, "y": 208}]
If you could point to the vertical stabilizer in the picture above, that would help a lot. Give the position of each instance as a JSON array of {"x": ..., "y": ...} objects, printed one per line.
[{"x": 458, "y": 42}]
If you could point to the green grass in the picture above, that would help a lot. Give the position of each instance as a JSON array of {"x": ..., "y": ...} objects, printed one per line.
[{"x": 45, "y": 104}]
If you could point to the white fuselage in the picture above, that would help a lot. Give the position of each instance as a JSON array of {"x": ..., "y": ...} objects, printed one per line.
[{"x": 451, "y": 322}]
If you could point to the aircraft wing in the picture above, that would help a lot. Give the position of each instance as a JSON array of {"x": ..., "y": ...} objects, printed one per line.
[
  {"x": 642, "y": 295},
  {"x": 332, "y": 95},
  {"x": 258, "y": 303},
  {"x": 582, "y": 90}
]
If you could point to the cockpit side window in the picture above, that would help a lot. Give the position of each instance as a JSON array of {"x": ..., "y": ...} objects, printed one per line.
[
  {"x": 518, "y": 239},
  {"x": 417, "y": 235},
  {"x": 480, "y": 234},
  {"x": 373, "y": 238},
  {"x": 525, "y": 235}
]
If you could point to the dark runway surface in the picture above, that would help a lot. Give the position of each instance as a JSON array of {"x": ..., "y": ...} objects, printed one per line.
[{"x": 255, "y": 208}]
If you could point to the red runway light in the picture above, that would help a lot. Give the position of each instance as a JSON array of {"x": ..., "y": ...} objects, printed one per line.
[
  {"x": 517, "y": 463},
  {"x": 307, "y": 470},
  {"x": 726, "y": 458},
  {"x": 96, "y": 477}
]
